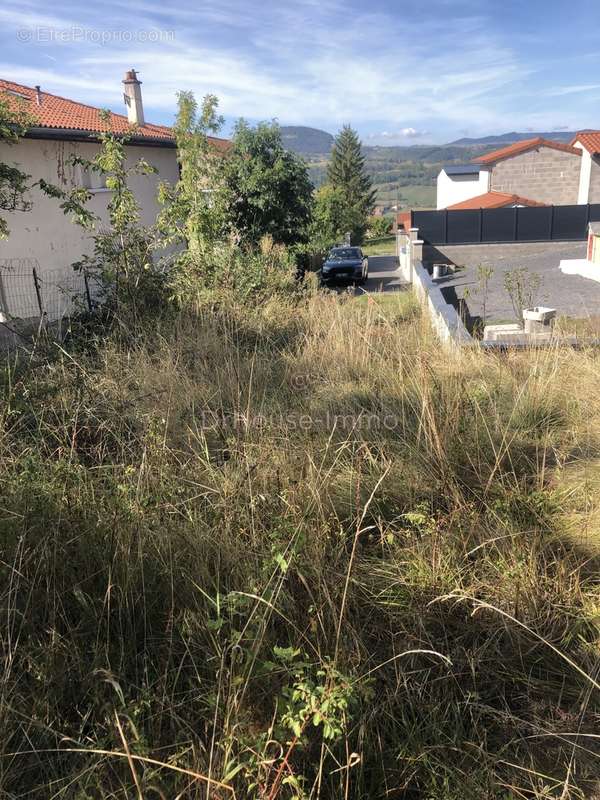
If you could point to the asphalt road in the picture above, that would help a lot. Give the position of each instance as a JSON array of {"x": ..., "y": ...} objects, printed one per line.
[{"x": 383, "y": 277}]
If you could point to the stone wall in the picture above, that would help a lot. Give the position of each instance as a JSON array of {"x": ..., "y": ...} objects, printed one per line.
[{"x": 546, "y": 175}]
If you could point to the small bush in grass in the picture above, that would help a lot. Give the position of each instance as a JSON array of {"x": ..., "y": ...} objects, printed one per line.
[
  {"x": 251, "y": 275},
  {"x": 522, "y": 288}
]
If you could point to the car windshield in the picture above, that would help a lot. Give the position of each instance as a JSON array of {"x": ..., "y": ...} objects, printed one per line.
[{"x": 344, "y": 253}]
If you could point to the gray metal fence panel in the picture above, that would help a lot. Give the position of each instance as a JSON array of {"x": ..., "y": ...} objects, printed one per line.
[
  {"x": 534, "y": 224},
  {"x": 463, "y": 226},
  {"x": 525, "y": 224},
  {"x": 498, "y": 224}
]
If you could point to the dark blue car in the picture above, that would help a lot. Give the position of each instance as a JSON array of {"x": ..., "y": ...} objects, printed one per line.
[{"x": 345, "y": 264}]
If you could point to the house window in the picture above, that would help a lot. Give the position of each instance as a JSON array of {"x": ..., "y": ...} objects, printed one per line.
[{"x": 92, "y": 180}]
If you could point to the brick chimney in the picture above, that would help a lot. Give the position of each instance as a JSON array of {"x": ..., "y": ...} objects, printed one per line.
[{"x": 133, "y": 98}]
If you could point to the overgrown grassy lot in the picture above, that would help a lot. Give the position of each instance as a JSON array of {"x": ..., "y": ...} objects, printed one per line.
[{"x": 297, "y": 550}]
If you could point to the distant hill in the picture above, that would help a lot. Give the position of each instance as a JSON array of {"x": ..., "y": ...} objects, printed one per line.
[
  {"x": 306, "y": 141},
  {"x": 404, "y": 176},
  {"x": 426, "y": 153},
  {"x": 509, "y": 138},
  {"x": 313, "y": 142}
]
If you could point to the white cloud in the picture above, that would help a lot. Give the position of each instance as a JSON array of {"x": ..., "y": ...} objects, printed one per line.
[
  {"x": 402, "y": 133},
  {"x": 302, "y": 61},
  {"x": 562, "y": 91}
]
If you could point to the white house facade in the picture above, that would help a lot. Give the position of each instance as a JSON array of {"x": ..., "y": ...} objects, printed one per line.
[
  {"x": 589, "y": 180},
  {"x": 62, "y": 129},
  {"x": 461, "y": 182}
]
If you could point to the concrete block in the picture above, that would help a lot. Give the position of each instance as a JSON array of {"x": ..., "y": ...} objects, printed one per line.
[
  {"x": 520, "y": 338},
  {"x": 440, "y": 271},
  {"x": 539, "y": 319},
  {"x": 493, "y": 333},
  {"x": 546, "y": 175}
]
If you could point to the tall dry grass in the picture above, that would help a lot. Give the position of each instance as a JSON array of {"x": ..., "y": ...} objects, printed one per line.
[{"x": 299, "y": 551}]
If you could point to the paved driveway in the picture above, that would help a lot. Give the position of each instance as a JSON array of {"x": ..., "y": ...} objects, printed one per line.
[
  {"x": 570, "y": 294},
  {"x": 383, "y": 277}
]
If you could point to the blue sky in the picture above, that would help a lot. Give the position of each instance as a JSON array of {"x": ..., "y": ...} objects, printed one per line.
[{"x": 400, "y": 72}]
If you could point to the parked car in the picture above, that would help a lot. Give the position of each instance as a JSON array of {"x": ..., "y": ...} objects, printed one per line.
[{"x": 345, "y": 264}]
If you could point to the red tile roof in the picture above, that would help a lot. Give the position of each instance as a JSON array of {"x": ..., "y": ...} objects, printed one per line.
[
  {"x": 522, "y": 147},
  {"x": 493, "y": 200},
  {"x": 59, "y": 113},
  {"x": 590, "y": 140}
]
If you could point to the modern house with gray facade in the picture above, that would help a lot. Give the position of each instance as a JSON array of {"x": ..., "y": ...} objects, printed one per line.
[{"x": 533, "y": 172}]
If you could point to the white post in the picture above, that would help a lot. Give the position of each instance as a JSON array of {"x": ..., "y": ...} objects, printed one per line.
[{"x": 415, "y": 249}]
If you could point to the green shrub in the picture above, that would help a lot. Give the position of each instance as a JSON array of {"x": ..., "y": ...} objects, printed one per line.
[{"x": 378, "y": 227}]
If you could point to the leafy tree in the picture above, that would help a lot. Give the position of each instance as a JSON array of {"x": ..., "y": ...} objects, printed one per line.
[
  {"x": 379, "y": 226},
  {"x": 191, "y": 214},
  {"x": 331, "y": 218},
  {"x": 346, "y": 171},
  {"x": 266, "y": 189},
  {"x": 522, "y": 286},
  {"x": 13, "y": 181}
]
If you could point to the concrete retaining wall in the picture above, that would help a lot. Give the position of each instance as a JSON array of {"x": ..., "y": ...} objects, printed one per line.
[
  {"x": 444, "y": 318},
  {"x": 445, "y": 321}
]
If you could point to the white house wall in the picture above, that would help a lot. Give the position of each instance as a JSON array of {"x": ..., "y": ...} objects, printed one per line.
[
  {"x": 453, "y": 189},
  {"x": 44, "y": 234},
  {"x": 585, "y": 175}
]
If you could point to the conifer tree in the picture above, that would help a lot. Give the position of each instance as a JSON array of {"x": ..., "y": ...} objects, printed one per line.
[{"x": 346, "y": 172}]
